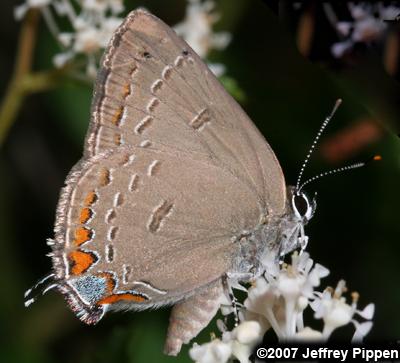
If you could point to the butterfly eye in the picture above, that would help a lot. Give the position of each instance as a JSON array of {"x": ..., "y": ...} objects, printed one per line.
[{"x": 301, "y": 206}]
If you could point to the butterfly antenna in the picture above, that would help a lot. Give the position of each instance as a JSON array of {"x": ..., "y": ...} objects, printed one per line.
[
  {"x": 339, "y": 170},
  {"x": 320, "y": 131},
  {"x": 40, "y": 288}
]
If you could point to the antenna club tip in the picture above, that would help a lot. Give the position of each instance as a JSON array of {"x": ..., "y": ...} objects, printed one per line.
[
  {"x": 336, "y": 106},
  {"x": 373, "y": 158}
]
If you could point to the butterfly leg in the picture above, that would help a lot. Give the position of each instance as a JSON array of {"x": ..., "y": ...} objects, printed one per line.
[
  {"x": 192, "y": 315},
  {"x": 303, "y": 240},
  {"x": 232, "y": 298}
]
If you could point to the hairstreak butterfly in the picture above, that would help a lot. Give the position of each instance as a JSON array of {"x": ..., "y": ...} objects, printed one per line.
[{"x": 176, "y": 195}]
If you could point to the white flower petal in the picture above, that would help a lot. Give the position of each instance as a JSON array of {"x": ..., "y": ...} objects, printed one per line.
[
  {"x": 66, "y": 39},
  {"x": 321, "y": 270},
  {"x": 302, "y": 262},
  {"x": 81, "y": 23},
  {"x": 316, "y": 274},
  {"x": 91, "y": 68},
  {"x": 340, "y": 48},
  {"x": 260, "y": 297},
  {"x": 308, "y": 334},
  {"x": 61, "y": 8},
  {"x": 241, "y": 352},
  {"x": 361, "y": 331},
  {"x": 94, "y": 5},
  {"x": 108, "y": 27},
  {"x": 290, "y": 287},
  {"x": 20, "y": 11},
  {"x": 388, "y": 12},
  {"x": 368, "y": 29},
  {"x": 344, "y": 27},
  {"x": 308, "y": 265},
  {"x": 213, "y": 352},
  {"x": 316, "y": 305},
  {"x": 302, "y": 303},
  {"x": 38, "y": 3},
  {"x": 271, "y": 266},
  {"x": 60, "y": 59},
  {"x": 87, "y": 41},
  {"x": 340, "y": 314},
  {"x": 248, "y": 332},
  {"x": 249, "y": 315},
  {"x": 367, "y": 312},
  {"x": 196, "y": 28},
  {"x": 358, "y": 11},
  {"x": 220, "y": 40},
  {"x": 340, "y": 288}
]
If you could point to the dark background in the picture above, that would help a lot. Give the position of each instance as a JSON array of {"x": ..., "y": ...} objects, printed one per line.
[{"x": 355, "y": 232}]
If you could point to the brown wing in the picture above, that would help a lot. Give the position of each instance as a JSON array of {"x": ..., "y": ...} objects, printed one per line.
[
  {"x": 154, "y": 90},
  {"x": 162, "y": 221}
]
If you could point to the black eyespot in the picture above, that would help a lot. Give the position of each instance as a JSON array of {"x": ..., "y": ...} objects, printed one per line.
[
  {"x": 147, "y": 55},
  {"x": 301, "y": 204},
  {"x": 185, "y": 52}
]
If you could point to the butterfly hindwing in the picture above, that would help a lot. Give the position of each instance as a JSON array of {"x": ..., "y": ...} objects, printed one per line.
[{"x": 161, "y": 221}]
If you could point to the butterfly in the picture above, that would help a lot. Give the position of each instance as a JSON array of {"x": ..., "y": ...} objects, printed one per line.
[{"x": 177, "y": 195}]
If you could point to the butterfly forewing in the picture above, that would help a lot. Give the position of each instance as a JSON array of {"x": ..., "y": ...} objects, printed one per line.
[{"x": 154, "y": 91}]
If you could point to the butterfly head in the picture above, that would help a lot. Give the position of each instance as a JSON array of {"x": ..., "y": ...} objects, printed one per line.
[
  {"x": 300, "y": 209},
  {"x": 303, "y": 207}
]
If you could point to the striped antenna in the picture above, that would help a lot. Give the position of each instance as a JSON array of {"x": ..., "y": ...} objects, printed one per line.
[
  {"x": 339, "y": 170},
  {"x": 320, "y": 131}
]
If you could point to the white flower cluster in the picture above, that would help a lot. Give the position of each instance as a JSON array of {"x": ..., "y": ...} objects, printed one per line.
[
  {"x": 196, "y": 29},
  {"x": 368, "y": 25},
  {"x": 277, "y": 300},
  {"x": 92, "y": 23}
]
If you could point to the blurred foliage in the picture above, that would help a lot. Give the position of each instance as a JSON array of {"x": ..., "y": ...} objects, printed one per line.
[{"x": 354, "y": 232}]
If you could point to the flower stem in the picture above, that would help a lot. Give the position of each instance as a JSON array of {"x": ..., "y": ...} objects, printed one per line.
[{"x": 22, "y": 81}]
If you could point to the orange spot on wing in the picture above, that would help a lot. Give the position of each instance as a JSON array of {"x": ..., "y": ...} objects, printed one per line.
[
  {"x": 82, "y": 235},
  {"x": 110, "y": 281},
  {"x": 90, "y": 199},
  {"x": 105, "y": 177},
  {"x": 116, "y": 120},
  {"x": 86, "y": 214},
  {"x": 117, "y": 139},
  {"x": 377, "y": 157},
  {"x": 122, "y": 297},
  {"x": 127, "y": 90},
  {"x": 80, "y": 261}
]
